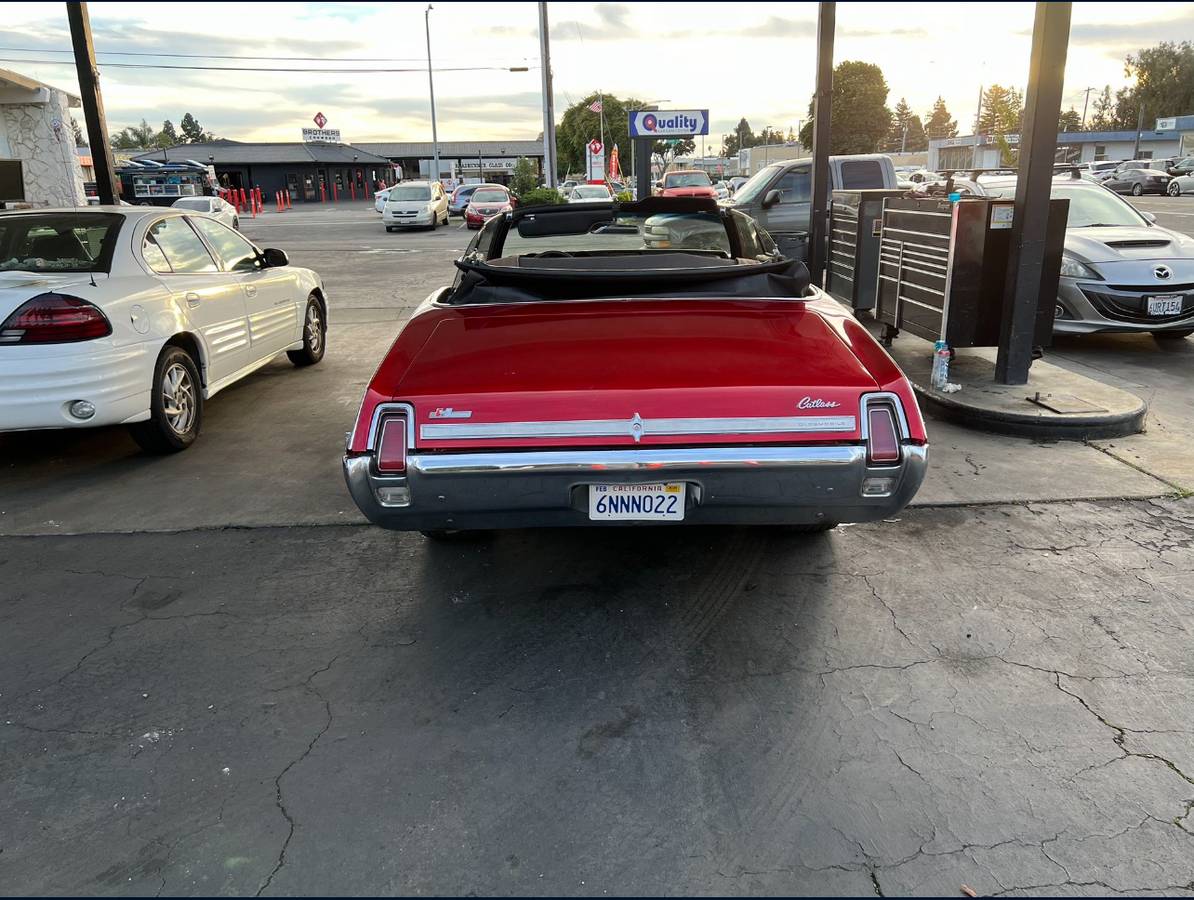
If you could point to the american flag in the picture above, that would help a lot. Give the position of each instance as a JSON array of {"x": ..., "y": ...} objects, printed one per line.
[{"x": 596, "y": 106}]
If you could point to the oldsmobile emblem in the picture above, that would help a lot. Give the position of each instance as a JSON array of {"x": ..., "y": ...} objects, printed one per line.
[
  {"x": 446, "y": 412},
  {"x": 1163, "y": 272},
  {"x": 816, "y": 403}
]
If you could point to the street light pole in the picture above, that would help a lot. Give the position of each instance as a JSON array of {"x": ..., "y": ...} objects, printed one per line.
[{"x": 431, "y": 86}]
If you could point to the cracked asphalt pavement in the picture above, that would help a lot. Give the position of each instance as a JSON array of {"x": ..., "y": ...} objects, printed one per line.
[
  {"x": 995, "y": 696},
  {"x": 214, "y": 679}
]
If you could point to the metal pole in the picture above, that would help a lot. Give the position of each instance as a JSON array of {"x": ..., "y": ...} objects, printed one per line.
[
  {"x": 1139, "y": 125},
  {"x": 1038, "y": 146},
  {"x": 480, "y": 167},
  {"x": 822, "y": 102},
  {"x": 978, "y": 115},
  {"x": 93, "y": 102},
  {"x": 550, "y": 174},
  {"x": 431, "y": 86}
]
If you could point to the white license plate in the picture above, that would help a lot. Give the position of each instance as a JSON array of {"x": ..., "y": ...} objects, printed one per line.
[
  {"x": 1165, "y": 305},
  {"x": 636, "y": 502}
]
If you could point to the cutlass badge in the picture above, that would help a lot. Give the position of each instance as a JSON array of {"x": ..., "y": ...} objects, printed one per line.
[{"x": 816, "y": 403}]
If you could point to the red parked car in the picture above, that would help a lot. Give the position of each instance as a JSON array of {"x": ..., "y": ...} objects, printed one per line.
[
  {"x": 575, "y": 375},
  {"x": 485, "y": 203},
  {"x": 687, "y": 183}
]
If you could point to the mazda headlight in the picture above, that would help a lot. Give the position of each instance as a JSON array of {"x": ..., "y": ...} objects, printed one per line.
[{"x": 1072, "y": 268}]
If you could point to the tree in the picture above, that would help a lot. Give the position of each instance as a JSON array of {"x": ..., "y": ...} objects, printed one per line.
[
  {"x": 1070, "y": 120},
  {"x": 741, "y": 138},
  {"x": 858, "y": 114},
  {"x": 1003, "y": 111},
  {"x": 668, "y": 149},
  {"x": 167, "y": 137},
  {"x": 907, "y": 134},
  {"x": 192, "y": 131},
  {"x": 940, "y": 124},
  {"x": 1103, "y": 117},
  {"x": 1164, "y": 83},
  {"x": 524, "y": 178},
  {"x": 134, "y": 137},
  {"x": 580, "y": 124},
  {"x": 80, "y": 138}
]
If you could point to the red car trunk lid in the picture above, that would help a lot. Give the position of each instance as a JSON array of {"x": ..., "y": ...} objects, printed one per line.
[{"x": 619, "y": 373}]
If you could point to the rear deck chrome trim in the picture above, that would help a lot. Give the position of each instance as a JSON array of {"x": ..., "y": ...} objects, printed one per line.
[
  {"x": 595, "y": 462},
  {"x": 637, "y": 427}
]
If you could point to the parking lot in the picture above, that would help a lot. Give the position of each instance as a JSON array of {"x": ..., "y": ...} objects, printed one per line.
[{"x": 214, "y": 677}]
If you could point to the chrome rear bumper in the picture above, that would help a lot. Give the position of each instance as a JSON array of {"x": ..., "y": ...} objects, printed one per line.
[{"x": 726, "y": 485}]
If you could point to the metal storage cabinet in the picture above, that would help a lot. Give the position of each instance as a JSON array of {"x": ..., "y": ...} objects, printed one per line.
[
  {"x": 943, "y": 269},
  {"x": 855, "y": 222}
]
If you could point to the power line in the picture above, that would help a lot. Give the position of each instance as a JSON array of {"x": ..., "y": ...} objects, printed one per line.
[
  {"x": 112, "y": 65},
  {"x": 220, "y": 56}
]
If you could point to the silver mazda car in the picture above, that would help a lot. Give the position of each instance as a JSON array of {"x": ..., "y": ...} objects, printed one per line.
[{"x": 1119, "y": 271}]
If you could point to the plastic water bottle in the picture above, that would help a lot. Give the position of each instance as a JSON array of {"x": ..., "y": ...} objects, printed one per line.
[{"x": 940, "y": 374}]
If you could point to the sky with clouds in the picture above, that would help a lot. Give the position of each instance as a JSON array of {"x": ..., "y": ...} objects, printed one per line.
[{"x": 736, "y": 59}]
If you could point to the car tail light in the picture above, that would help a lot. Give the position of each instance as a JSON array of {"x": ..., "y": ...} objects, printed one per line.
[
  {"x": 883, "y": 439},
  {"x": 54, "y": 319},
  {"x": 391, "y": 445}
]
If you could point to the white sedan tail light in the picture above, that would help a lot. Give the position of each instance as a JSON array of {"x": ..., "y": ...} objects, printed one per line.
[{"x": 54, "y": 319}]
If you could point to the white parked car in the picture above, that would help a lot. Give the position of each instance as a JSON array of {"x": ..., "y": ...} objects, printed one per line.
[
  {"x": 379, "y": 199},
  {"x": 565, "y": 187},
  {"x": 590, "y": 193},
  {"x": 137, "y": 316},
  {"x": 213, "y": 206},
  {"x": 415, "y": 204},
  {"x": 1180, "y": 184}
]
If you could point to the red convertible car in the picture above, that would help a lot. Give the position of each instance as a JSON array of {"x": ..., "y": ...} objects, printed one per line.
[{"x": 650, "y": 362}]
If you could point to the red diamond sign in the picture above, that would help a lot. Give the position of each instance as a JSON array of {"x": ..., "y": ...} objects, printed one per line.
[{"x": 320, "y": 120}]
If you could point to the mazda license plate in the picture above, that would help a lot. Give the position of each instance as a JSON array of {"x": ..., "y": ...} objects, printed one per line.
[
  {"x": 1165, "y": 305},
  {"x": 636, "y": 502}
]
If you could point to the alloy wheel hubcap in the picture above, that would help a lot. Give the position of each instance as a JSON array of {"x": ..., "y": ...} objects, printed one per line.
[
  {"x": 314, "y": 329},
  {"x": 178, "y": 398}
]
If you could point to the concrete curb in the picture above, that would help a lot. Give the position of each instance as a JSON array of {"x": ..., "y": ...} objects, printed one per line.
[{"x": 1005, "y": 409}]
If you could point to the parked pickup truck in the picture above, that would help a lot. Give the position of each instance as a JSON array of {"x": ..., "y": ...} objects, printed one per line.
[{"x": 779, "y": 196}]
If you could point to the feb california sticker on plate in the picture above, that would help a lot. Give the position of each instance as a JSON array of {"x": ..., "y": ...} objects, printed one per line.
[{"x": 637, "y": 502}]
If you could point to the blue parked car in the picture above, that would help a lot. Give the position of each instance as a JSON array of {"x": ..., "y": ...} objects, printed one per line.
[{"x": 460, "y": 199}]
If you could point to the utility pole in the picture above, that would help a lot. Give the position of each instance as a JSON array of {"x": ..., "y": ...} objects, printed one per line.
[
  {"x": 822, "y": 101},
  {"x": 1030, "y": 222},
  {"x": 93, "y": 102},
  {"x": 1139, "y": 125},
  {"x": 978, "y": 116},
  {"x": 549, "y": 104},
  {"x": 431, "y": 86},
  {"x": 1085, "y": 103}
]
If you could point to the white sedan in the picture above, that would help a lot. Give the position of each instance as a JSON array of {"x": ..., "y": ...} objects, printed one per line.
[
  {"x": 590, "y": 193},
  {"x": 214, "y": 206},
  {"x": 1180, "y": 184},
  {"x": 137, "y": 316}
]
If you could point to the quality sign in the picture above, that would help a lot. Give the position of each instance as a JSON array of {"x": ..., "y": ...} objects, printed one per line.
[{"x": 660, "y": 123}]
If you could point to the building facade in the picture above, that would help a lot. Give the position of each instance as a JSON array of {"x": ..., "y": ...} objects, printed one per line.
[
  {"x": 489, "y": 161},
  {"x": 35, "y": 133},
  {"x": 1172, "y": 137},
  {"x": 313, "y": 172}
]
